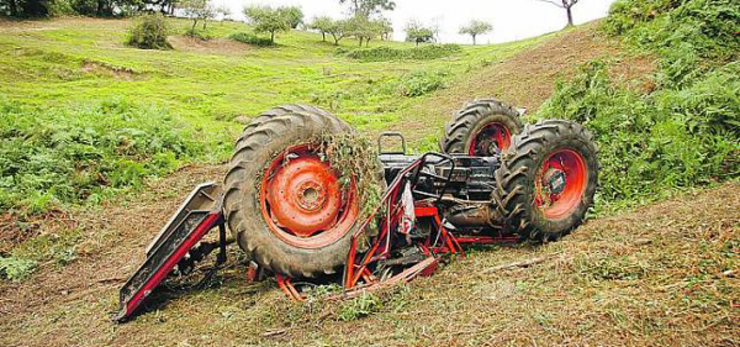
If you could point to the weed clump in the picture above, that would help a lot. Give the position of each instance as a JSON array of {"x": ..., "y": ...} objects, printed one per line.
[
  {"x": 356, "y": 159},
  {"x": 422, "y": 82},
  {"x": 149, "y": 32},
  {"x": 378, "y": 54},
  {"x": 16, "y": 269},
  {"x": 251, "y": 39}
]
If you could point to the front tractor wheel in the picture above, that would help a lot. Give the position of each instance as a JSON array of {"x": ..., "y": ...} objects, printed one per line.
[
  {"x": 285, "y": 204},
  {"x": 481, "y": 128},
  {"x": 547, "y": 180}
]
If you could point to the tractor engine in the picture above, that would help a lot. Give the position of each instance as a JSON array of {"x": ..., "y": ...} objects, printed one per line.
[{"x": 461, "y": 184}]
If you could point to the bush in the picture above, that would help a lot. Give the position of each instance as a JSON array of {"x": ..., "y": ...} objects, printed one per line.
[
  {"x": 706, "y": 27},
  {"x": 149, "y": 32},
  {"x": 196, "y": 33},
  {"x": 658, "y": 142},
  {"x": 378, "y": 54},
  {"x": 251, "y": 39},
  {"x": 58, "y": 156},
  {"x": 421, "y": 82}
]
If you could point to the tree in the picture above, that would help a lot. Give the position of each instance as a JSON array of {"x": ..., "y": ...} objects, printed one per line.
[
  {"x": 197, "y": 10},
  {"x": 567, "y": 5},
  {"x": 386, "y": 28},
  {"x": 366, "y": 8},
  {"x": 475, "y": 28},
  {"x": 338, "y": 30},
  {"x": 364, "y": 29},
  {"x": 322, "y": 24},
  {"x": 9, "y": 8},
  {"x": 418, "y": 33},
  {"x": 269, "y": 20},
  {"x": 294, "y": 15}
]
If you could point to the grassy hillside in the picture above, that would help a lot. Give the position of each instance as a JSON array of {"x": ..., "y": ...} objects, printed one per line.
[
  {"x": 84, "y": 119},
  {"x": 678, "y": 126},
  {"x": 69, "y": 76}
]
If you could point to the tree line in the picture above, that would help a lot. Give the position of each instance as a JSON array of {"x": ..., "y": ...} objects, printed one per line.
[{"x": 365, "y": 22}]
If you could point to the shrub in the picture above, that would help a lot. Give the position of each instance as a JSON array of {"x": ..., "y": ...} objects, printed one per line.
[
  {"x": 378, "y": 54},
  {"x": 196, "y": 33},
  {"x": 707, "y": 27},
  {"x": 251, "y": 39},
  {"x": 421, "y": 82},
  {"x": 658, "y": 142},
  {"x": 60, "y": 156},
  {"x": 149, "y": 32}
]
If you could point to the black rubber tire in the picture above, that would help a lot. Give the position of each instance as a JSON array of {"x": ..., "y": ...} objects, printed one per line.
[
  {"x": 515, "y": 179},
  {"x": 471, "y": 118},
  {"x": 271, "y": 133}
]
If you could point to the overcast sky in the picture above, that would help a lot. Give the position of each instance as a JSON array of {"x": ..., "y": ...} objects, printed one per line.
[{"x": 512, "y": 19}]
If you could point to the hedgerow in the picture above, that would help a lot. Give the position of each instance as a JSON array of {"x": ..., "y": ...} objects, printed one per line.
[
  {"x": 378, "y": 54},
  {"x": 251, "y": 39},
  {"x": 63, "y": 156},
  {"x": 686, "y": 132}
]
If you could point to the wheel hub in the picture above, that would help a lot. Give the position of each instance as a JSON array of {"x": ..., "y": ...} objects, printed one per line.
[
  {"x": 561, "y": 183},
  {"x": 555, "y": 179},
  {"x": 311, "y": 196},
  {"x": 490, "y": 140},
  {"x": 305, "y": 196}
]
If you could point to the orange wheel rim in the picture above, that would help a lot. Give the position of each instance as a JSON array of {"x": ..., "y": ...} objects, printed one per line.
[
  {"x": 303, "y": 201},
  {"x": 490, "y": 140},
  {"x": 560, "y": 183}
]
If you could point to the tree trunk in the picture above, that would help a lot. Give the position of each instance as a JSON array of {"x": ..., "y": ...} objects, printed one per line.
[
  {"x": 204, "y": 24},
  {"x": 272, "y": 37},
  {"x": 13, "y": 8},
  {"x": 473, "y": 40},
  {"x": 99, "y": 11},
  {"x": 568, "y": 9},
  {"x": 361, "y": 41},
  {"x": 323, "y": 36},
  {"x": 192, "y": 30},
  {"x": 367, "y": 42}
]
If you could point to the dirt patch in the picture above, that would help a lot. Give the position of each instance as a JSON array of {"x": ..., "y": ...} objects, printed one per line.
[
  {"x": 117, "y": 72},
  {"x": 221, "y": 46}
]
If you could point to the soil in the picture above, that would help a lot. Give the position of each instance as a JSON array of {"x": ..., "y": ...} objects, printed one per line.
[{"x": 213, "y": 46}]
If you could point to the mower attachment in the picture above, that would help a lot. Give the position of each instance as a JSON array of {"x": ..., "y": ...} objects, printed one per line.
[{"x": 200, "y": 213}]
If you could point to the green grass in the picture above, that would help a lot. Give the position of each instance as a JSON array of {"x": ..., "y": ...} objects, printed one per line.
[{"x": 56, "y": 70}]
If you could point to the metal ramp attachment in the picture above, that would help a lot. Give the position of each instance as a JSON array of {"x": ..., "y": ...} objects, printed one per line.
[{"x": 200, "y": 213}]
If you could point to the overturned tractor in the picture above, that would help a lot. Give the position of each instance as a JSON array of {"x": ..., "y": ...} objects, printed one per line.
[{"x": 298, "y": 215}]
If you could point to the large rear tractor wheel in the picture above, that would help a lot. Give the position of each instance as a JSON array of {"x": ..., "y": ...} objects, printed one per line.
[
  {"x": 547, "y": 180},
  {"x": 285, "y": 204},
  {"x": 481, "y": 128}
]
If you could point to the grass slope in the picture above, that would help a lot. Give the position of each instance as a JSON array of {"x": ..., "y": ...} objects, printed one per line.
[{"x": 60, "y": 69}]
